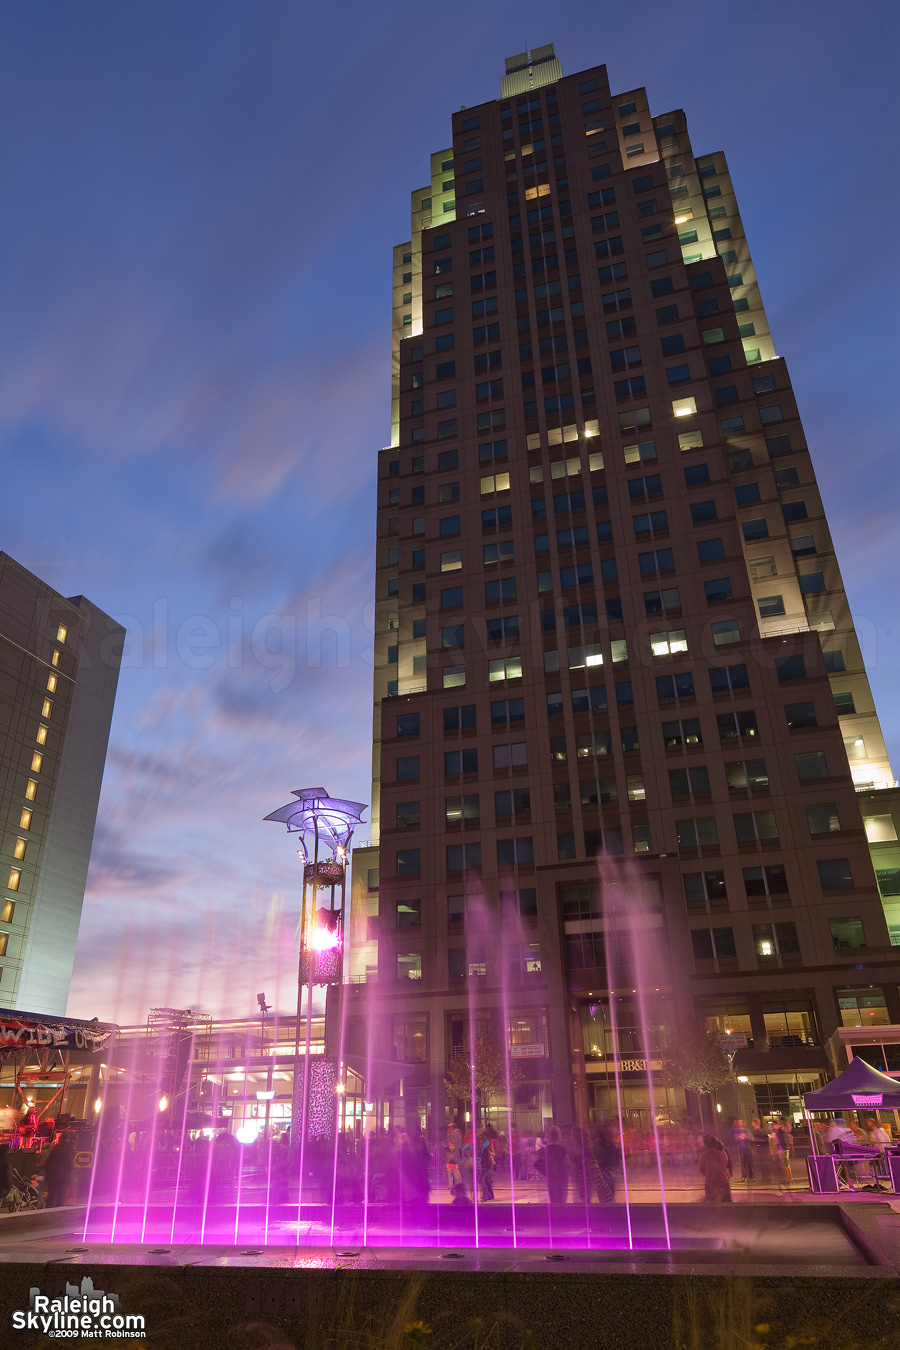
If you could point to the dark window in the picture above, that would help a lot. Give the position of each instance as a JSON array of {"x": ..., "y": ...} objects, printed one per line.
[
  {"x": 409, "y": 862},
  {"x": 670, "y": 687},
  {"x": 800, "y": 715},
  {"x": 689, "y": 782},
  {"x": 812, "y": 764},
  {"x": 718, "y": 590},
  {"x": 737, "y": 726},
  {"x": 835, "y": 875},
  {"x": 507, "y": 712},
  {"x": 709, "y": 550},
  {"x": 696, "y": 474},
  {"x": 460, "y": 719},
  {"x": 409, "y": 813},
  {"x": 463, "y": 857},
  {"x": 790, "y": 668},
  {"x": 460, "y": 761},
  {"x": 408, "y": 724}
]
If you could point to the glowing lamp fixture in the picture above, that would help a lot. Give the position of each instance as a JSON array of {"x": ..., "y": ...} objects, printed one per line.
[
  {"x": 98, "y": 1105},
  {"x": 163, "y": 1103},
  {"x": 248, "y": 1132},
  {"x": 264, "y": 1096},
  {"x": 325, "y": 934}
]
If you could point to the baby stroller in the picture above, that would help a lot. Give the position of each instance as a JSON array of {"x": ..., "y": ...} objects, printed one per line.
[{"x": 23, "y": 1194}]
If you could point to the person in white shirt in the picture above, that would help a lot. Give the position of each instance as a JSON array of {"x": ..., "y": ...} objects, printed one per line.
[
  {"x": 878, "y": 1135},
  {"x": 839, "y": 1129}
]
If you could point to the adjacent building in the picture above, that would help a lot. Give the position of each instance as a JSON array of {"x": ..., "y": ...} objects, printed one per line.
[
  {"x": 610, "y": 622},
  {"x": 59, "y": 665}
]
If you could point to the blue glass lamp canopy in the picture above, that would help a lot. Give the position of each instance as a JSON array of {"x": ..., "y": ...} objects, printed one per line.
[{"x": 314, "y": 812}]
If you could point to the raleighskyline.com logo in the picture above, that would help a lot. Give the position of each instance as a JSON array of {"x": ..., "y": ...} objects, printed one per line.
[{"x": 80, "y": 1312}]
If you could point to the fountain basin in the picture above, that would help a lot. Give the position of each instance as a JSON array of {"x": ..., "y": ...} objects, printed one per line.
[{"x": 792, "y": 1263}]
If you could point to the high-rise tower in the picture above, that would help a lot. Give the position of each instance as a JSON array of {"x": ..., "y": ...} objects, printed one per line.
[
  {"x": 609, "y": 618},
  {"x": 59, "y": 666}
]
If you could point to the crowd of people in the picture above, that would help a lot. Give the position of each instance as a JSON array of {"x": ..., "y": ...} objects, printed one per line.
[
  {"x": 585, "y": 1163},
  {"x": 581, "y": 1164}
]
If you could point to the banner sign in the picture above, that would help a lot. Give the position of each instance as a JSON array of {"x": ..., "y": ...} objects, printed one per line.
[
  {"x": 32, "y": 1033},
  {"x": 526, "y": 1052},
  {"x": 867, "y": 1098}
]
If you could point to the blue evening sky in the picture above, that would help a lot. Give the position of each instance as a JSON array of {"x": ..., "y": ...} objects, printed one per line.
[{"x": 197, "y": 208}]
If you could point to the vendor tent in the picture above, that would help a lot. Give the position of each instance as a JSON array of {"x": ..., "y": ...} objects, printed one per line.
[{"x": 859, "y": 1087}]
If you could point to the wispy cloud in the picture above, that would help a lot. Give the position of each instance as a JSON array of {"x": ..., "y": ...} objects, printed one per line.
[{"x": 199, "y": 203}]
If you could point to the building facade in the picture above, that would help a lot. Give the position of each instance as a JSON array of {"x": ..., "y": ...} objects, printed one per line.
[
  {"x": 59, "y": 666},
  {"x": 612, "y": 640}
]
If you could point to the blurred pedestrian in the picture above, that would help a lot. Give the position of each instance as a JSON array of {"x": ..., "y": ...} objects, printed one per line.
[
  {"x": 715, "y": 1165},
  {"x": 452, "y": 1155},
  {"x": 486, "y": 1161},
  {"x": 761, "y": 1153},
  {"x": 606, "y": 1157},
  {"x": 58, "y": 1170},
  {"x": 784, "y": 1142},
  {"x": 741, "y": 1137},
  {"x": 584, "y": 1164},
  {"x": 553, "y": 1162}
]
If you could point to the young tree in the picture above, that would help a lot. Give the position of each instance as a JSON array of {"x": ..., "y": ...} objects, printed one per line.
[
  {"x": 483, "y": 1067},
  {"x": 697, "y": 1063}
]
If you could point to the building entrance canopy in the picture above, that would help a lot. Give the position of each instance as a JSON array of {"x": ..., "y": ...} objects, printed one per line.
[{"x": 859, "y": 1086}]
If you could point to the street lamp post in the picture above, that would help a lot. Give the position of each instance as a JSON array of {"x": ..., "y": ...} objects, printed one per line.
[{"x": 324, "y": 824}]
